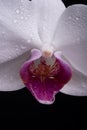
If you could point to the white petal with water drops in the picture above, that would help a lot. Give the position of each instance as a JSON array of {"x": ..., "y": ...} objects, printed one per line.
[
  {"x": 71, "y": 36},
  {"x": 49, "y": 13},
  {"x": 11, "y": 45},
  {"x": 9, "y": 74},
  {"x": 20, "y": 17},
  {"x": 77, "y": 86}
]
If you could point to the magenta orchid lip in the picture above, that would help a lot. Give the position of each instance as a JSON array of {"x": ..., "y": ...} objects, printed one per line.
[{"x": 44, "y": 80}]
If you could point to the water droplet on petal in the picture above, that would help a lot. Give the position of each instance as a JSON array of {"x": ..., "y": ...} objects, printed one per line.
[
  {"x": 26, "y": 18},
  {"x": 70, "y": 17},
  {"x": 16, "y": 48},
  {"x": 11, "y": 78},
  {"x": 15, "y": 21},
  {"x": 78, "y": 39},
  {"x": 23, "y": 47},
  {"x": 28, "y": 40},
  {"x": 21, "y": 12},
  {"x": 5, "y": 76},
  {"x": 77, "y": 18},
  {"x": 21, "y": 0},
  {"x": 3, "y": 33},
  {"x": 22, "y": 17},
  {"x": 84, "y": 84},
  {"x": 17, "y": 11},
  {"x": 9, "y": 57},
  {"x": 51, "y": 77}
]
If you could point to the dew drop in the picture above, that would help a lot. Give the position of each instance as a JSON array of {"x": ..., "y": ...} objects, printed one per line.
[
  {"x": 23, "y": 47},
  {"x": 22, "y": 17},
  {"x": 33, "y": 76},
  {"x": 77, "y": 18},
  {"x": 28, "y": 40},
  {"x": 11, "y": 78},
  {"x": 5, "y": 76},
  {"x": 21, "y": 0},
  {"x": 51, "y": 77},
  {"x": 15, "y": 21},
  {"x": 78, "y": 39},
  {"x": 21, "y": 12},
  {"x": 9, "y": 57},
  {"x": 26, "y": 18},
  {"x": 17, "y": 11},
  {"x": 3, "y": 33},
  {"x": 16, "y": 48},
  {"x": 70, "y": 17},
  {"x": 84, "y": 84}
]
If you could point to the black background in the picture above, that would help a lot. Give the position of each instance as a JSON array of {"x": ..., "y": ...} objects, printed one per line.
[{"x": 66, "y": 112}]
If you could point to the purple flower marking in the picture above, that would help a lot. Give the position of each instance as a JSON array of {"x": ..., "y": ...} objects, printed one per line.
[{"x": 43, "y": 79}]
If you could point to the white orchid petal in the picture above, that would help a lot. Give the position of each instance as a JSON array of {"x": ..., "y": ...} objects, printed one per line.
[
  {"x": 71, "y": 36},
  {"x": 9, "y": 74},
  {"x": 21, "y": 17},
  {"x": 49, "y": 13},
  {"x": 77, "y": 86},
  {"x": 11, "y": 45}
]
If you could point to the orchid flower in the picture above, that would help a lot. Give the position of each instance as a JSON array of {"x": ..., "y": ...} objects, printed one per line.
[{"x": 43, "y": 46}]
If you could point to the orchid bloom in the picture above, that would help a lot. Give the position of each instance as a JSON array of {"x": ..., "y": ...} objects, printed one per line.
[{"x": 43, "y": 46}]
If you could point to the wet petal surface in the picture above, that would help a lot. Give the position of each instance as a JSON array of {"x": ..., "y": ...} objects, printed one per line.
[
  {"x": 77, "y": 85},
  {"x": 11, "y": 44},
  {"x": 71, "y": 36},
  {"x": 21, "y": 17},
  {"x": 9, "y": 74},
  {"x": 49, "y": 13}
]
